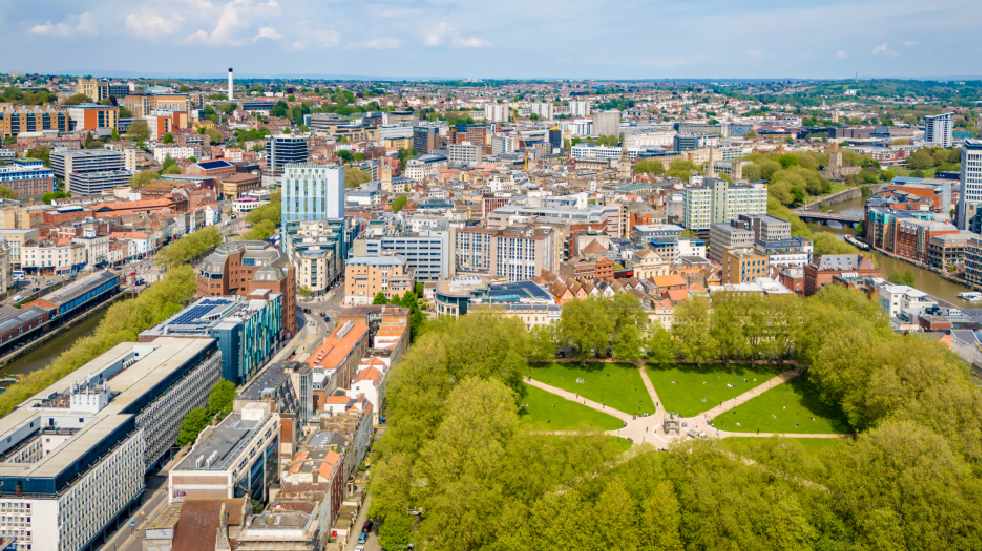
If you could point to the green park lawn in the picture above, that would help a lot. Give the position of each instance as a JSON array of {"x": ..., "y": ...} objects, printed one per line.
[
  {"x": 616, "y": 385},
  {"x": 544, "y": 411},
  {"x": 792, "y": 407},
  {"x": 689, "y": 391}
]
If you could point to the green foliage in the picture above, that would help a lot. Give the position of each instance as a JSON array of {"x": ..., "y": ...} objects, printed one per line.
[
  {"x": 682, "y": 170},
  {"x": 123, "y": 322},
  {"x": 20, "y": 96},
  {"x": 600, "y": 327},
  {"x": 935, "y": 158},
  {"x": 52, "y": 195},
  {"x": 142, "y": 179},
  {"x": 652, "y": 167},
  {"x": 168, "y": 138},
  {"x": 410, "y": 301},
  {"x": 42, "y": 153},
  {"x": 399, "y": 203},
  {"x": 188, "y": 248},
  {"x": 194, "y": 422},
  {"x": 76, "y": 99},
  {"x": 904, "y": 277},
  {"x": 355, "y": 177},
  {"x": 265, "y": 220},
  {"x": 138, "y": 132},
  {"x": 7, "y": 193},
  {"x": 244, "y": 135}
]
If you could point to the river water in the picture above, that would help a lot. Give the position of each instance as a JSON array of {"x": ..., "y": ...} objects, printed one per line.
[
  {"x": 44, "y": 353},
  {"x": 925, "y": 280}
]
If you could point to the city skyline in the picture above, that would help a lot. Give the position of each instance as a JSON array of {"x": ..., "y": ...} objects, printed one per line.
[{"x": 760, "y": 39}]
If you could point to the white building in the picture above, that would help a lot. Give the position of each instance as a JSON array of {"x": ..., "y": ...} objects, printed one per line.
[
  {"x": 586, "y": 153},
  {"x": 312, "y": 192},
  {"x": 579, "y": 108},
  {"x": 541, "y": 109},
  {"x": 464, "y": 153},
  {"x": 716, "y": 202},
  {"x": 176, "y": 152},
  {"x": 937, "y": 130},
  {"x": 496, "y": 112},
  {"x": 971, "y": 190},
  {"x": 73, "y": 457}
]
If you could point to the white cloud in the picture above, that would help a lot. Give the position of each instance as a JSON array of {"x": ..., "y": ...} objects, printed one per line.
[
  {"x": 83, "y": 24},
  {"x": 379, "y": 44},
  {"x": 315, "y": 37},
  {"x": 148, "y": 24},
  {"x": 267, "y": 33},
  {"x": 841, "y": 54},
  {"x": 910, "y": 43},
  {"x": 235, "y": 22},
  {"x": 884, "y": 49},
  {"x": 445, "y": 34}
]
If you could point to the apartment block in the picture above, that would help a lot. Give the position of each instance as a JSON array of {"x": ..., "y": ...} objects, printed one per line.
[{"x": 367, "y": 276}]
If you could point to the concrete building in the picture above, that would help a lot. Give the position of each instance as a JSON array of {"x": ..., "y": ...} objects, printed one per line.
[
  {"x": 15, "y": 119},
  {"x": 716, "y": 202},
  {"x": 497, "y": 112},
  {"x": 312, "y": 193},
  {"x": 73, "y": 457},
  {"x": 427, "y": 253},
  {"x": 464, "y": 153},
  {"x": 937, "y": 130},
  {"x": 367, "y": 276},
  {"x": 588, "y": 153},
  {"x": 823, "y": 269},
  {"x": 426, "y": 139},
  {"x": 725, "y": 238},
  {"x": 971, "y": 178},
  {"x": 247, "y": 330},
  {"x": 286, "y": 149},
  {"x": 743, "y": 266},
  {"x": 236, "y": 458},
  {"x": 244, "y": 267},
  {"x": 95, "y": 169},
  {"x": 27, "y": 181},
  {"x": 606, "y": 123},
  {"x": 515, "y": 253}
]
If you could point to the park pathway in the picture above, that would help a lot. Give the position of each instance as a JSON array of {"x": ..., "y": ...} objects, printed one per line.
[
  {"x": 750, "y": 394},
  {"x": 573, "y": 397}
]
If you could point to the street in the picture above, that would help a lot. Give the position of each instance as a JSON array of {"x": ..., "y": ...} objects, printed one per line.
[{"x": 130, "y": 537}]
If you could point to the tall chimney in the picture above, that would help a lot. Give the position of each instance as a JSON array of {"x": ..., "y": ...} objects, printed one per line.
[{"x": 230, "y": 79}]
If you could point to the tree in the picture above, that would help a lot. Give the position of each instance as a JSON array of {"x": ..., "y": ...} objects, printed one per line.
[
  {"x": 902, "y": 277},
  {"x": 220, "y": 399},
  {"x": 399, "y": 203},
  {"x": 651, "y": 167},
  {"x": 346, "y": 155},
  {"x": 380, "y": 298},
  {"x": 355, "y": 177},
  {"x": 659, "y": 346},
  {"x": 168, "y": 138},
  {"x": 586, "y": 326},
  {"x": 7, "y": 193},
  {"x": 142, "y": 179},
  {"x": 194, "y": 422},
  {"x": 692, "y": 331},
  {"x": 138, "y": 132},
  {"x": 41, "y": 153},
  {"x": 76, "y": 99}
]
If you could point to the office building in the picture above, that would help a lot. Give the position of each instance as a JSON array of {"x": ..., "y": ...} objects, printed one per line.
[
  {"x": 497, "y": 112},
  {"x": 427, "y": 253},
  {"x": 93, "y": 116},
  {"x": 606, "y": 123},
  {"x": 243, "y": 267},
  {"x": 27, "y": 181},
  {"x": 100, "y": 90},
  {"x": 426, "y": 139},
  {"x": 937, "y": 130},
  {"x": 587, "y": 153},
  {"x": 95, "y": 170},
  {"x": 367, "y": 276},
  {"x": 515, "y": 253},
  {"x": 743, "y": 266},
  {"x": 464, "y": 153},
  {"x": 728, "y": 237},
  {"x": 971, "y": 177},
  {"x": 15, "y": 119},
  {"x": 248, "y": 330},
  {"x": 74, "y": 456},
  {"x": 317, "y": 249},
  {"x": 286, "y": 149},
  {"x": 311, "y": 193},
  {"x": 716, "y": 202},
  {"x": 236, "y": 458},
  {"x": 765, "y": 227}
]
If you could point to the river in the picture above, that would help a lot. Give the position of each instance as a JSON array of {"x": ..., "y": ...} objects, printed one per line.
[
  {"x": 925, "y": 280},
  {"x": 42, "y": 354}
]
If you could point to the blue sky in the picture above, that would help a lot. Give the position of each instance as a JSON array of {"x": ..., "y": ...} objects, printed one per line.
[{"x": 498, "y": 38}]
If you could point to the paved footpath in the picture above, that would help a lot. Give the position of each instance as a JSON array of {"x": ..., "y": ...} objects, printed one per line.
[
  {"x": 573, "y": 397},
  {"x": 750, "y": 394}
]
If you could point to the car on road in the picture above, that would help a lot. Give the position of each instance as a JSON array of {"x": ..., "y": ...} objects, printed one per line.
[
  {"x": 363, "y": 536},
  {"x": 359, "y": 547},
  {"x": 132, "y": 523}
]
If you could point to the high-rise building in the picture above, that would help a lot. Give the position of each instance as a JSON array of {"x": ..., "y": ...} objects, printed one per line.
[
  {"x": 716, "y": 202},
  {"x": 89, "y": 171},
  {"x": 286, "y": 149},
  {"x": 231, "y": 83},
  {"x": 464, "y": 153},
  {"x": 937, "y": 130},
  {"x": 312, "y": 192},
  {"x": 606, "y": 123},
  {"x": 971, "y": 191},
  {"x": 426, "y": 139},
  {"x": 496, "y": 112},
  {"x": 73, "y": 458}
]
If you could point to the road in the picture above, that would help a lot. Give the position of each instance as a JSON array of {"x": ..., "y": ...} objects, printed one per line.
[{"x": 130, "y": 538}]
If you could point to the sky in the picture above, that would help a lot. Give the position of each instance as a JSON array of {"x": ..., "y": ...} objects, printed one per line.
[{"x": 522, "y": 39}]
